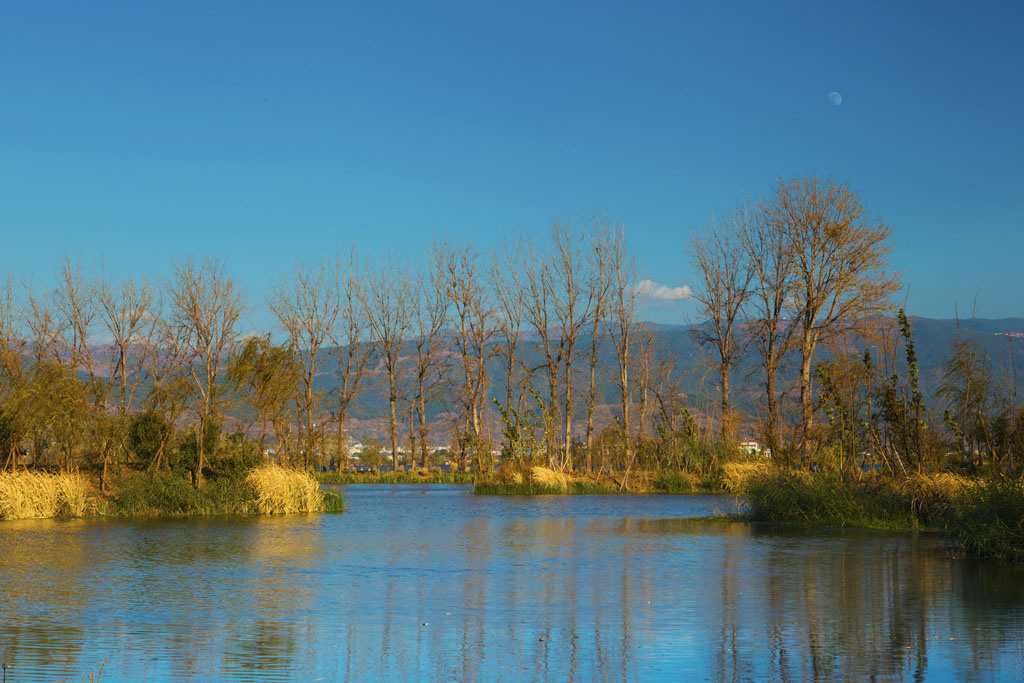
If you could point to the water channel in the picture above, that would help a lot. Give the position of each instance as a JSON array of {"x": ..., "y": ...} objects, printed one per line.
[{"x": 433, "y": 583}]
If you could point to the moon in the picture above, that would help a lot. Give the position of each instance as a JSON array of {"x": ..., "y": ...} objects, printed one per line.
[{"x": 835, "y": 98}]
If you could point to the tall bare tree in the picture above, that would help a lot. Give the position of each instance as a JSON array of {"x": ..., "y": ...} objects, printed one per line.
[
  {"x": 839, "y": 253},
  {"x": 719, "y": 260},
  {"x": 623, "y": 313},
  {"x": 128, "y": 314},
  {"x": 205, "y": 308},
  {"x": 472, "y": 319},
  {"x": 604, "y": 233},
  {"x": 428, "y": 314},
  {"x": 386, "y": 302},
  {"x": 645, "y": 373},
  {"x": 351, "y": 347},
  {"x": 507, "y": 283},
  {"x": 538, "y": 310},
  {"x": 771, "y": 296},
  {"x": 76, "y": 308},
  {"x": 573, "y": 309},
  {"x": 307, "y": 306}
]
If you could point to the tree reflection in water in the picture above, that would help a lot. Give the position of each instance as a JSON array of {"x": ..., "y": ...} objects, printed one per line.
[{"x": 434, "y": 583}]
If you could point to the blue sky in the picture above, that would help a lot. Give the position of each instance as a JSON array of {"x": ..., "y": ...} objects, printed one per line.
[{"x": 269, "y": 133}]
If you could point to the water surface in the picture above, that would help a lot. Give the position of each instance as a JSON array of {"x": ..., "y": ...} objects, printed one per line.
[{"x": 433, "y": 583}]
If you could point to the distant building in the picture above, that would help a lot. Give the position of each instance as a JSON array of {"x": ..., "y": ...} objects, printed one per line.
[{"x": 753, "y": 448}]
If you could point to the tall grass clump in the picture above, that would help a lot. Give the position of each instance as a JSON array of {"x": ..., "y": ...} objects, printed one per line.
[
  {"x": 529, "y": 481},
  {"x": 988, "y": 520},
  {"x": 280, "y": 490},
  {"x": 932, "y": 498},
  {"x": 669, "y": 481},
  {"x": 549, "y": 478},
  {"x": 33, "y": 495},
  {"x": 805, "y": 499},
  {"x": 736, "y": 476}
]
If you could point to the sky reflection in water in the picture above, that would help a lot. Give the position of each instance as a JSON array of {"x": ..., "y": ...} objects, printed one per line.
[{"x": 417, "y": 583}]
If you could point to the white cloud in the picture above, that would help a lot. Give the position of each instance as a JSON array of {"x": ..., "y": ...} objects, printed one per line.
[{"x": 653, "y": 290}]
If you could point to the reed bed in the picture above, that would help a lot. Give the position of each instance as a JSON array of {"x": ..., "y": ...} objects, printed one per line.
[
  {"x": 821, "y": 499},
  {"x": 736, "y": 476},
  {"x": 988, "y": 519},
  {"x": 280, "y": 490},
  {"x": 549, "y": 478},
  {"x": 669, "y": 481},
  {"x": 35, "y": 495}
]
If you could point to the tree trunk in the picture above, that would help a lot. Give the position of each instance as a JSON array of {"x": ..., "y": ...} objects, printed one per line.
[
  {"x": 202, "y": 452},
  {"x": 567, "y": 459},
  {"x": 806, "y": 407},
  {"x": 726, "y": 416},
  {"x": 423, "y": 432},
  {"x": 393, "y": 427},
  {"x": 342, "y": 440},
  {"x": 624, "y": 387},
  {"x": 772, "y": 431},
  {"x": 412, "y": 433}
]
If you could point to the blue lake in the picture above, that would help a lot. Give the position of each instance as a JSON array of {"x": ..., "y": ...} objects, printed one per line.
[{"x": 433, "y": 583}]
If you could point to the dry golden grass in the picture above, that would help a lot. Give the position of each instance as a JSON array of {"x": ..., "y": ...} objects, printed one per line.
[
  {"x": 509, "y": 473},
  {"x": 549, "y": 477},
  {"x": 933, "y": 493},
  {"x": 280, "y": 490},
  {"x": 736, "y": 475},
  {"x": 34, "y": 495}
]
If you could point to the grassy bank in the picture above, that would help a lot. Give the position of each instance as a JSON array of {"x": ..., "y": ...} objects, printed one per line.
[
  {"x": 268, "y": 489},
  {"x": 985, "y": 517},
  {"x": 411, "y": 477},
  {"x": 264, "y": 490},
  {"x": 990, "y": 521},
  {"x": 824, "y": 500}
]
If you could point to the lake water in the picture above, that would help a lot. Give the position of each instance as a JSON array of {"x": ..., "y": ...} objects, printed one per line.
[{"x": 433, "y": 583}]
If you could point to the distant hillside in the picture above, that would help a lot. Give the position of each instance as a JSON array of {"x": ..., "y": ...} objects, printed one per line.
[{"x": 1003, "y": 341}]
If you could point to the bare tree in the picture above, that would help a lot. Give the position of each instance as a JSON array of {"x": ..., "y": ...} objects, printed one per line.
[
  {"x": 76, "y": 308},
  {"x": 573, "y": 309},
  {"x": 353, "y": 351},
  {"x": 717, "y": 256},
  {"x": 126, "y": 312},
  {"x": 623, "y": 309},
  {"x": 604, "y": 234},
  {"x": 506, "y": 281},
  {"x": 307, "y": 307},
  {"x": 771, "y": 295},
  {"x": 428, "y": 314},
  {"x": 205, "y": 308},
  {"x": 473, "y": 321},
  {"x": 839, "y": 253},
  {"x": 538, "y": 310},
  {"x": 386, "y": 302},
  {"x": 645, "y": 373}
]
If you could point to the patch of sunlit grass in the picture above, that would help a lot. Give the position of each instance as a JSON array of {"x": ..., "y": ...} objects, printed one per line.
[
  {"x": 280, "y": 490},
  {"x": 33, "y": 495}
]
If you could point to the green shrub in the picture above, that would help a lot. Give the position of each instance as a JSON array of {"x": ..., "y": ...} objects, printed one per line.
[{"x": 170, "y": 494}]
